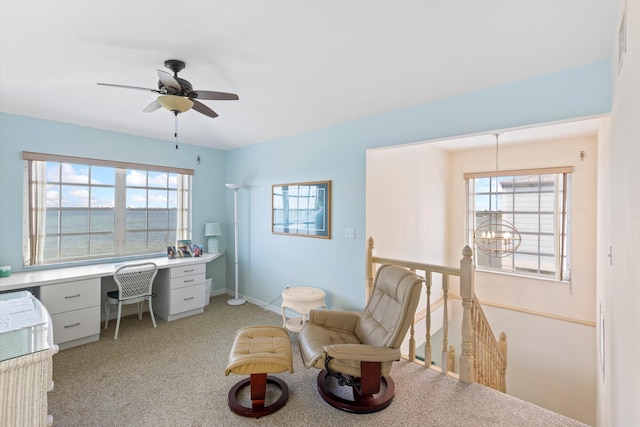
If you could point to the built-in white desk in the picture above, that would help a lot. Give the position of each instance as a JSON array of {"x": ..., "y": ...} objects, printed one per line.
[{"x": 73, "y": 295}]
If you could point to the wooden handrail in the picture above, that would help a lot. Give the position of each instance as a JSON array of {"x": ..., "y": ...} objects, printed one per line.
[{"x": 482, "y": 358}]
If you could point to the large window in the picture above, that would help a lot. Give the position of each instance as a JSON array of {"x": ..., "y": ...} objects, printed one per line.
[
  {"x": 536, "y": 203},
  {"x": 78, "y": 209}
]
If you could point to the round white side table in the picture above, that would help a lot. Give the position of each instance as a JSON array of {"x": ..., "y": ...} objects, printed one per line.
[{"x": 302, "y": 299}]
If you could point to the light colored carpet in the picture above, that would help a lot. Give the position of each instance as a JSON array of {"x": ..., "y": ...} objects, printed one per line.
[{"x": 174, "y": 376}]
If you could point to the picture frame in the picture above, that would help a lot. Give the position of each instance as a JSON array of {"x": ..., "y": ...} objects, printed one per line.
[
  {"x": 171, "y": 252},
  {"x": 185, "y": 249},
  {"x": 302, "y": 209}
]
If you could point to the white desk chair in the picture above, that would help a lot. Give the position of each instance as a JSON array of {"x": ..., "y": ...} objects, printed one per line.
[{"x": 134, "y": 287}]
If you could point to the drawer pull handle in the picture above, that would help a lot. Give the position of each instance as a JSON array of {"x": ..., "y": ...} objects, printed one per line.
[
  {"x": 71, "y": 296},
  {"x": 72, "y": 326},
  {"x": 187, "y": 299},
  {"x": 189, "y": 271},
  {"x": 189, "y": 280}
]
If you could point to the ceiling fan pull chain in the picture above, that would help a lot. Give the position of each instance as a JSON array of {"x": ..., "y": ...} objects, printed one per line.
[{"x": 176, "y": 127}]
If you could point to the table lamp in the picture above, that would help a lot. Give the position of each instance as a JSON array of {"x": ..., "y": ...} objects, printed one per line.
[{"x": 212, "y": 229}]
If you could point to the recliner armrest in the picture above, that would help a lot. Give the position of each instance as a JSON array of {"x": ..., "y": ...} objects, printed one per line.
[
  {"x": 362, "y": 353},
  {"x": 343, "y": 320}
]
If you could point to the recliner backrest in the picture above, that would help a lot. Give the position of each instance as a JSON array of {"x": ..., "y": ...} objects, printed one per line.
[{"x": 390, "y": 310}]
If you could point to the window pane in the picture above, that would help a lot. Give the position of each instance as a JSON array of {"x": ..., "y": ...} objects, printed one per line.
[
  {"x": 102, "y": 220},
  {"x": 136, "y": 178},
  {"x": 529, "y": 243},
  {"x": 547, "y": 245},
  {"x": 103, "y": 197},
  {"x": 158, "y": 220},
  {"x": 136, "y": 198},
  {"x": 51, "y": 224},
  {"x": 103, "y": 175},
  {"x": 526, "y": 262},
  {"x": 74, "y": 221},
  {"x": 136, "y": 219},
  {"x": 75, "y": 174},
  {"x": 171, "y": 237},
  {"x": 157, "y": 241},
  {"x": 527, "y": 223},
  {"x": 157, "y": 199},
  {"x": 136, "y": 242},
  {"x": 527, "y": 202},
  {"x": 53, "y": 171},
  {"x": 158, "y": 179},
  {"x": 53, "y": 196},
  {"x": 103, "y": 244},
  {"x": 51, "y": 248},
  {"x": 172, "y": 199},
  {"x": 75, "y": 196},
  {"x": 547, "y": 264},
  {"x": 173, "y": 180},
  {"x": 74, "y": 246}
]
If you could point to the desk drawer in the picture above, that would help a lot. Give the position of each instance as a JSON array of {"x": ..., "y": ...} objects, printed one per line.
[
  {"x": 70, "y": 296},
  {"x": 76, "y": 324},
  {"x": 185, "y": 299},
  {"x": 182, "y": 282},
  {"x": 188, "y": 270}
]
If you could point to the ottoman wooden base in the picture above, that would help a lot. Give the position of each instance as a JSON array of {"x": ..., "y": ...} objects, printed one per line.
[
  {"x": 258, "y": 351},
  {"x": 258, "y": 383}
]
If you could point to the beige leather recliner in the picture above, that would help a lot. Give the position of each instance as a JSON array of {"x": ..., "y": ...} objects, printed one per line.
[{"x": 358, "y": 349}]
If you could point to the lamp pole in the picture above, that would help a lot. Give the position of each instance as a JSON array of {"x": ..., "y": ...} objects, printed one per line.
[{"x": 237, "y": 300}]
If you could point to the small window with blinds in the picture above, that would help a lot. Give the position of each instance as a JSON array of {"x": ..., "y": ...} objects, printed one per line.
[
  {"x": 80, "y": 209},
  {"x": 537, "y": 203}
]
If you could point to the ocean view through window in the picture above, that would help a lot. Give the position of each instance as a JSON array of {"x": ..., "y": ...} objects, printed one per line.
[{"x": 80, "y": 209}]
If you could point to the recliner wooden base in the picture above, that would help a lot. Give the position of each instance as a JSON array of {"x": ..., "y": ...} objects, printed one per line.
[{"x": 361, "y": 403}]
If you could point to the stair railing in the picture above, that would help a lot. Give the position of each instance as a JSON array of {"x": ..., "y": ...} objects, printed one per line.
[{"x": 482, "y": 358}]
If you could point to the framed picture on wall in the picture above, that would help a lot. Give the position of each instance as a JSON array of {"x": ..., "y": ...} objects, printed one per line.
[{"x": 302, "y": 209}]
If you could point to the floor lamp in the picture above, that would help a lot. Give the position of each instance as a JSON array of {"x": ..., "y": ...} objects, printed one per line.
[{"x": 237, "y": 300}]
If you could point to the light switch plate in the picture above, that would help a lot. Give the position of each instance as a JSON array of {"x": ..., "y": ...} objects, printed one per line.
[{"x": 350, "y": 233}]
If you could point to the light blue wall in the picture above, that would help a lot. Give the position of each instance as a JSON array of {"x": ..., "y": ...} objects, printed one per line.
[
  {"x": 268, "y": 262},
  {"x": 19, "y": 134}
]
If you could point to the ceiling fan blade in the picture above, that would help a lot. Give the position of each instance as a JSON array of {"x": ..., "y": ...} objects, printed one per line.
[
  {"x": 201, "y": 108},
  {"x": 168, "y": 80},
  {"x": 130, "y": 87},
  {"x": 152, "y": 107},
  {"x": 215, "y": 96}
]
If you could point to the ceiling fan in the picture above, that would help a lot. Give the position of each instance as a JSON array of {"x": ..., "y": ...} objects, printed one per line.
[{"x": 177, "y": 94}]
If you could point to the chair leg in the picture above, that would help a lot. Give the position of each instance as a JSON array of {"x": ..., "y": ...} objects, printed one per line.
[
  {"x": 106, "y": 310},
  {"x": 139, "y": 310},
  {"x": 118, "y": 321},
  {"x": 153, "y": 318}
]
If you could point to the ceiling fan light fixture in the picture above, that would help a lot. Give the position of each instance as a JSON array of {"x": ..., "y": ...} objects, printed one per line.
[{"x": 175, "y": 103}]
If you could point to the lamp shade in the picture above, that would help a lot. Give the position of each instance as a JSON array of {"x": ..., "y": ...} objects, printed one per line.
[
  {"x": 212, "y": 229},
  {"x": 175, "y": 103}
]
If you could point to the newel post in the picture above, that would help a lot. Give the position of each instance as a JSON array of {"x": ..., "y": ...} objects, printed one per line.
[
  {"x": 370, "y": 268},
  {"x": 466, "y": 371},
  {"x": 502, "y": 344}
]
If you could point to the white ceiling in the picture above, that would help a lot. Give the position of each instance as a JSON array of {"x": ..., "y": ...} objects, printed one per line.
[{"x": 297, "y": 66}]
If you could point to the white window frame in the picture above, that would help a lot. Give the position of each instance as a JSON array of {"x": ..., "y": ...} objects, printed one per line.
[
  {"x": 33, "y": 247},
  {"x": 561, "y": 233}
]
